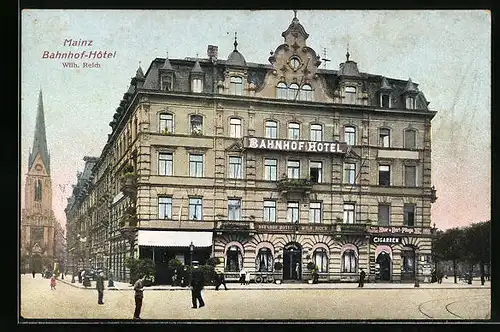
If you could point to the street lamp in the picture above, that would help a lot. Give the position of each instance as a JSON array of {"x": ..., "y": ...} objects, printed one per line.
[
  {"x": 191, "y": 249},
  {"x": 416, "y": 269}
]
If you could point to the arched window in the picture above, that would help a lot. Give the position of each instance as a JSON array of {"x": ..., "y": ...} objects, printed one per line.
[
  {"x": 320, "y": 258},
  {"x": 294, "y": 130},
  {"x": 235, "y": 127},
  {"x": 349, "y": 261},
  {"x": 281, "y": 90},
  {"x": 408, "y": 260},
  {"x": 38, "y": 190},
  {"x": 236, "y": 86},
  {"x": 293, "y": 91},
  {"x": 264, "y": 260},
  {"x": 234, "y": 259},
  {"x": 271, "y": 129},
  {"x": 306, "y": 93},
  {"x": 166, "y": 123},
  {"x": 350, "y": 135},
  {"x": 196, "y": 124},
  {"x": 316, "y": 132}
]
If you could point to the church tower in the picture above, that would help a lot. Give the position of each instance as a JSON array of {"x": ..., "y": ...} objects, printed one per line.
[{"x": 37, "y": 217}]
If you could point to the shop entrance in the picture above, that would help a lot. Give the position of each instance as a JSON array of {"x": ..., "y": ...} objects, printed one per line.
[
  {"x": 384, "y": 261},
  {"x": 292, "y": 254}
]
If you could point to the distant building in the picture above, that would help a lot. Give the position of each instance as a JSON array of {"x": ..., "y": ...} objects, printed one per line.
[
  {"x": 37, "y": 218},
  {"x": 259, "y": 163}
]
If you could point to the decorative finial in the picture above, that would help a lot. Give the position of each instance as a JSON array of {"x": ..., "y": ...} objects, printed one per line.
[
  {"x": 347, "y": 54},
  {"x": 295, "y": 14},
  {"x": 235, "y": 41},
  {"x": 167, "y": 54}
]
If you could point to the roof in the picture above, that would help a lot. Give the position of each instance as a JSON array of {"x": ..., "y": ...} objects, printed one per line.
[{"x": 40, "y": 139}]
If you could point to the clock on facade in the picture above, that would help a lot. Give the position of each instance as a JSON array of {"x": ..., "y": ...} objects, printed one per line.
[
  {"x": 38, "y": 167},
  {"x": 294, "y": 63}
]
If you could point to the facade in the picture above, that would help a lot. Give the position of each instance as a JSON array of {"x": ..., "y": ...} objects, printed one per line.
[
  {"x": 260, "y": 163},
  {"x": 37, "y": 217}
]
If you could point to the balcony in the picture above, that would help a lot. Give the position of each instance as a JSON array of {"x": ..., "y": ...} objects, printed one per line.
[
  {"x": 128, "y": 222},
  {"x": 355, "y": 229},
  {"x": 287, "y": 185},
  {"x": 234, "y": 226},
  {"x": 129, "y": 184}
]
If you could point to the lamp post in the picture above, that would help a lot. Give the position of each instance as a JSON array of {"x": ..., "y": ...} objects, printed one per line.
[
  {"x": 191, "y": 249},
  {"x": 416, "y": 269}
]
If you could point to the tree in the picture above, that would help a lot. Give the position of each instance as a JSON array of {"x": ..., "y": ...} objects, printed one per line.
[
  {"x": 449, "y": 246},
  {"x": 477, "y": 245},
  {"x": 139, "y": 268}
]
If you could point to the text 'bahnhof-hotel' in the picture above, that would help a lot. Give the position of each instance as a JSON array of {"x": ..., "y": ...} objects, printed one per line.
[{"x": 261, "y": 163}]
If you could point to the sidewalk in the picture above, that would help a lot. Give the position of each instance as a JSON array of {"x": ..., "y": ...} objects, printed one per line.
[{"x": 447, "y": 284}]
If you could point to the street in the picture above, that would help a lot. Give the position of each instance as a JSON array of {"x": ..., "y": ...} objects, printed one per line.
[{"x": 38, "y": 301}]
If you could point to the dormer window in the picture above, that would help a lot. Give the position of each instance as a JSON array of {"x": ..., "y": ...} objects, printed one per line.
[
  {"x": 166, "y": 83},
  {"x": 196, "y": 125},
  {"x": 281, "y": 90},
  {"x": 236, "y": 86},
  {"x": 350, "y": 95},
  {"x": 306, "y": 93},
  {"x": 293, "y": 91},
  {"x": 197, "y": 85},
  {"x": 385, "y": 101},
  {"x": 410, "y": 102}
]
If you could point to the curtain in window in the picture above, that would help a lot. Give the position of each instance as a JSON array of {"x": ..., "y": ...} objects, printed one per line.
[
  {"x": 349, "y": 261},
  {"x": 321, "y": 260}
]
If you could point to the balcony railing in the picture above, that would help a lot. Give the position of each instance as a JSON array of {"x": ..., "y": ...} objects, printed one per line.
[
  {"x": 294, "y": 185},
  {"x": 129, "y": 184}
]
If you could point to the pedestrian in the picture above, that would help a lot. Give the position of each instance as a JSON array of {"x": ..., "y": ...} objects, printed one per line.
[
  {"x": 53, "y": 282},
  {"x": 139, "y": 289},
  {"x": 247, "y": 278},
  {"x": 100, "y": 287},
  {"x": 82, "y": 276},
  {"x": 197, "y": 283},
  {"x": 33, "y": 272},
  {"x": 220, "y": 280},
  {"x": 362, "y": 276},
  {"x": 242, "y": 276},
  {"x": 297, "y": 270},
  {"x": 440, "y": 277}
]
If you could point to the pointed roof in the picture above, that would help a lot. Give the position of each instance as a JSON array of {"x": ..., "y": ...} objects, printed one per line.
[
  {"x": 167, "y": 65},
  {"x": 384, "y": 85},
  {"x": 139, "y": 74},
  {"x": 197, "y": 68},
  {"x": 235, "y": 57},
  {"x": 410, "y": 87},
  {"x": 295, "y": 26},
  {"x": 40, "y": 139}
]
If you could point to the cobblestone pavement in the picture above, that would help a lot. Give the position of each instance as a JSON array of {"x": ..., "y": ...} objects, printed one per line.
[{"x": 281, "y": 302}]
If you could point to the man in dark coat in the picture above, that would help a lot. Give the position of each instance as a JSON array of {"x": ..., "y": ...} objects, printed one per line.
[
  {"x": 220, "y": 280},
  {"x": 138, "y": 288},
  {"x": 197, "y": 283},
  {"x": 362, "y": 276},
  {"x": 100, "y": 286}
]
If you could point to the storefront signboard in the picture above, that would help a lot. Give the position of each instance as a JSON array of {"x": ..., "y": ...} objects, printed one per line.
[{"x": 385, "y": 240}]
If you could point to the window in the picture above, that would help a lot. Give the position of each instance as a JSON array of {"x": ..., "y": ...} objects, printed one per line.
[
  {"x": 410, "y": 139},
  {"x": 293, "y": 130},
  {"x": 315, "y": 212},
  {"x": 293, "y": 91},
  {"x": 384, "y": 138},
  {"x": 409, "y": 215},
  {"x": 384, "y": 175},
  {"x": 315, "y": 171},
  {"x": 197, "y": 85},
  {"x": 196, "y": 165},
  {"x": 350, "y": 173},
  {"x": 166, "y": 123},
  {"x": 350, "y": 95},
  {"x": 264, "y": 260},
  {"x": 271, "y": 129},
  {"x": 306, "y": 93},
  {"x": 408, "y": 258},
  {"x": 196, "y": 125},
  {"x": 384, "y": 217},
  {"x": 195, "y": 209},
  {"x": 235, "y": 169},
  {"x": 234, "y": 259},
  {"x": 292, "y": 212},
  {"x": 316, "y": 132},
  {"x": 410, "y": 103},
  {"x": 293, "y": 169},
  {"x": 164, "y": 207},
  {"x": 234, "y": 209},
  {"x": 236, "y": 86},
  {"x": 410, "y": 176},
  {"x": 38, "y": 190},
  {"x": 321, "y": 260},
  {"x": 235, "y": 127},
  {"x": 165, "y": 164},
  {"x": 349, "y": 261},
  {"x": 270, "y": 169},
  {"x": 385, "y": 101},
  {"x": 294, "y": 63},
  {"x": 281, "y": 91},
  {"x": 349, "y": 214},
  {"x": 350, "y": 135},
  {"x": 270, "y": 211},
  {"x": 166, "y": 83}
]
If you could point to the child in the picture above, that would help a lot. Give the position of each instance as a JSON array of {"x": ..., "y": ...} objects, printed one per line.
[{"x": 53, "y": 282}]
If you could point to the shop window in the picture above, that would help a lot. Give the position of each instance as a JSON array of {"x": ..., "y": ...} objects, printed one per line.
[
  {"x": 384, "y": 138},
  {"x": 384, "y": 214},
  {"x": 271, "y": 129},
  {"x": 408, "y": 260},
  {"x": 270, "y": 169},
  {"x": 235, "y": 168},
  {"x": 350, "y": 173},
  {"x": 236, "y": 86},
  {"x": 410, "y": 176},
  {"x": 166, "y": 123},
  {"x": 315, "y": 171},
  {"x": 409, "y": 215},
  {"x": 293, "y": 169},
  {"x": 235, "y": 127},
  {"x": 270, "y": 211},
  {"x": 316, "y": 132},
  {"x": 164, "y": 207},
  {"x": 264, "y": 260},
  {"x": 195, "y": 209},
  {"x": 196, "y": 125},
  {"x": 294, "y": 131},
  {"x": 410, "y": 139},
  {"x": 349, "y": 261},
  {"x": 234, "y": 259},
  {"x": 234, "y": 209},
  {"x": 281, "y": 90},
  {"x": 315, "y": 212},
  {"x": 320, "y": 258},
  {"x": 384, "y": 175},
  {"x": 292, "y": 213},
  {"x": 349, "y": 216},
  {"x": 165, "y": 163}
]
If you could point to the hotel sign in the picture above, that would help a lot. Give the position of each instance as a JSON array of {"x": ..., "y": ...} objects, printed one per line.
[{"x": 294, "y": 145}]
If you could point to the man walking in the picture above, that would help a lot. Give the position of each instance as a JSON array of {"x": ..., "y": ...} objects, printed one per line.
[
  {"x": 362, "y": 276},
  {"x": 220, "y": 280},
  {"x": 197, "y": 283},
  {"x": 138, "y": 288},
  {"x": 100, "y": 286}
]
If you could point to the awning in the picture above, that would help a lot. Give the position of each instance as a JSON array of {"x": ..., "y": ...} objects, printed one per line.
[{"x": 174, "y": 238}]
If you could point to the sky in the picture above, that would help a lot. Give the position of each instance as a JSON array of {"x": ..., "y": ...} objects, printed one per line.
[{"x": 447, "y": 52}]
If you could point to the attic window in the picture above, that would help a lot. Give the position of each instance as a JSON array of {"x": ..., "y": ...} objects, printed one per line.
[
  {"x": 197, "y": 85},
  {"x": 306, "y": 93},
  {"x": 236, "y": 86},
  {"x": 385, "y": 101},
  {"x": 166, "y": 83},
  {"x": 281, "y": 90},
  {"x": 410, "y": 103},
  {"x": 350, "y": 95}
]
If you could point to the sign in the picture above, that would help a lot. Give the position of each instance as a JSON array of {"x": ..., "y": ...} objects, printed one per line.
[
  {"x": 379, "y": 239},
  {"x": 399, "y": 229},
  {"x": 294, "y": 145},
  {"x": 290, "y": 227}
]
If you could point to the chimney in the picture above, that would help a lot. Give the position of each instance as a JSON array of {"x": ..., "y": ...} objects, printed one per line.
[{"x": 212, "y": 52}]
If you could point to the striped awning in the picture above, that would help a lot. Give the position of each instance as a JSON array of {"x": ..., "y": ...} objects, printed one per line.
[{"x": 174, "y": 238}]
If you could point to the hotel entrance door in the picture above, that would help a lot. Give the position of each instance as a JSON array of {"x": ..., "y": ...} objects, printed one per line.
[{"x": 292, "y": 254}]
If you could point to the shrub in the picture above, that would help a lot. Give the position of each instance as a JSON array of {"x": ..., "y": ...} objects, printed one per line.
[
  {"x": 213, "y": 261},
  {"x": 174, "y": 263},
  {"x": 139, "y": 267},
  {"x": 278, "y": 266}
]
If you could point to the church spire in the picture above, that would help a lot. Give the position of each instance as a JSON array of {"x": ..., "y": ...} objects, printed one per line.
[{"x": 40, "y": 139}]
